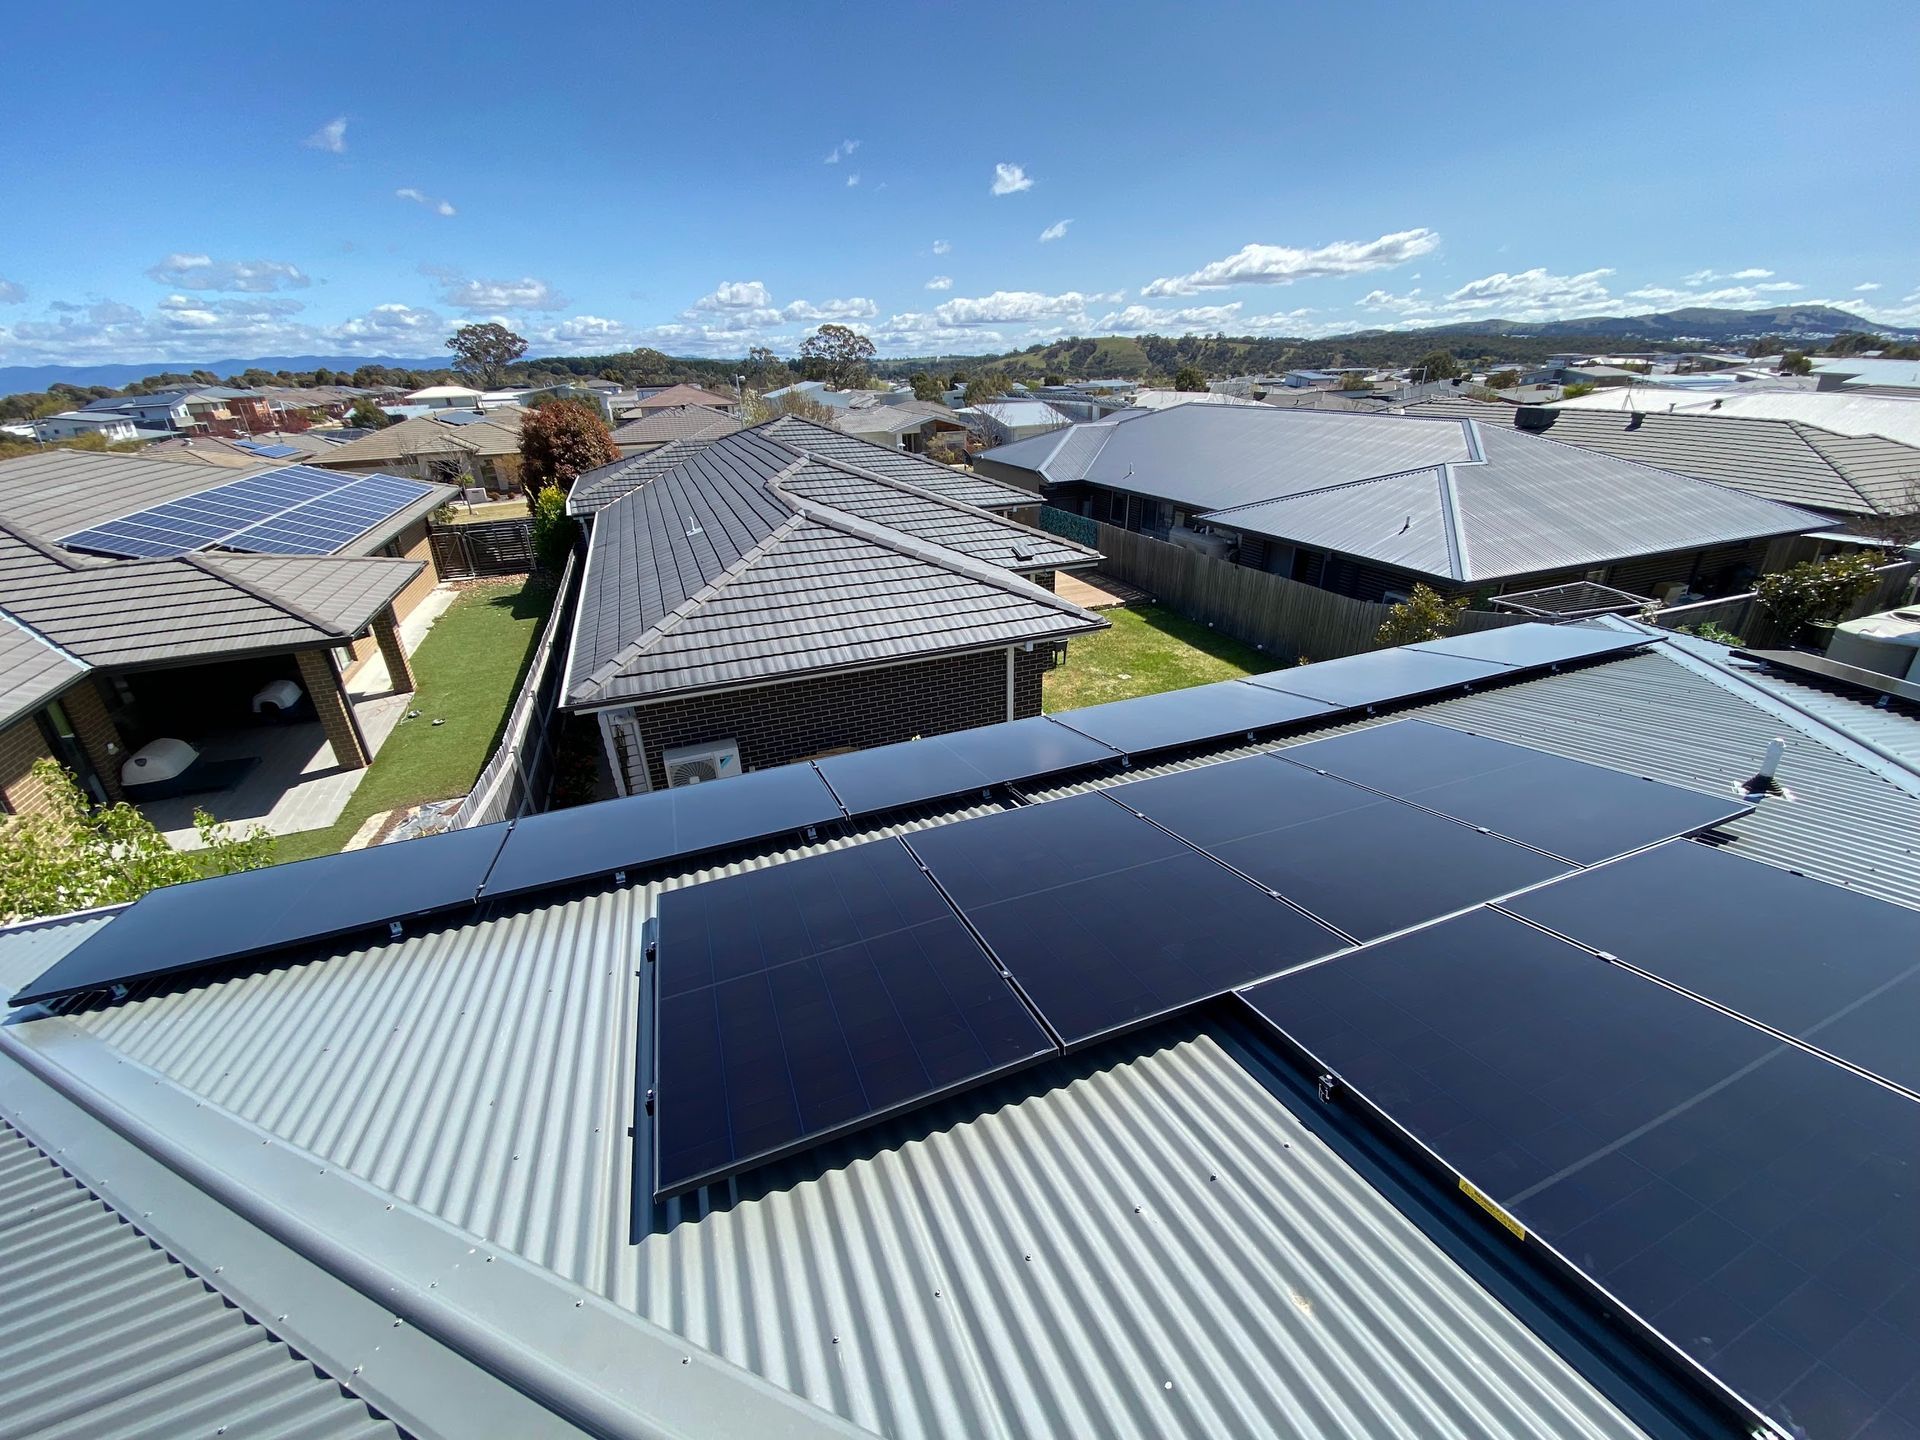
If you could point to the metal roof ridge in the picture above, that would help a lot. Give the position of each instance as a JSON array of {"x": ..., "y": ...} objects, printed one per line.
[
  {"x": 1674, "y": 474},
  {"x": 1460, "y": 566}
]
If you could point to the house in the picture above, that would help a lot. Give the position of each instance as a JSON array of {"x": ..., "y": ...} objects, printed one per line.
[
  {"x": 673, "y": 397},
  {"x": 910, "y": 425},
  {"x": 779, "y": 602},
  {"x": 453, "y": 447},
  {"x": 1174, "y": 1231},
  {"x": 1368, "y": 505},
  {"x": 444, "y": 397},
  {"x": 1850, "y": 478},
  {"x": 139, "y": 605},
  {"x": 114, "y": 428},
  {"x": 680, "y": 422},
  {"x": 296, "y": 446},
  {"x": 205, "y": 409},
  {"x": 1001, "y": 422},
  {"x": 1857, "y": 374},
  {"x": 1842, "y": 412}
]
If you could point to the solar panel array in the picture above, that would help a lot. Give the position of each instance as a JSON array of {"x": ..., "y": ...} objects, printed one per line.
[
  {"x": 1108, "y": 910},
  {"x": 1605, "y": 1060},
  {"x": 297, "y": 510},
  {"x": 267, "y": 450}
]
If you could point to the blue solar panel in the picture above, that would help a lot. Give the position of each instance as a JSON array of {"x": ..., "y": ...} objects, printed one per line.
[
  {"x": 296, "y": 510},
  {"x": 270, "y": 452}
]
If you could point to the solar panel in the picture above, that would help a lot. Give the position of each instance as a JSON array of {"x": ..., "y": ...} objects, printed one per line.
[
  {"x": 1834, "y": 968},
  {"x": 461, "y": 417},
  {"x": 323, "y": 524},
  {"x": 1190, "y": 717},
  {"x": 230, "y": 917},
  {"x": 590, "y": 841},
  {"x": 1378, "y": 677},
  {"x": 940, "y": 765},
  {"x": 1534, "y": 646},
  {"x": 265, "y": 450},
  {"x": 1750, "y": 1201},
  {"x": 1361, "y": 862},
  {"x": 1819, "y": 668},
  {"x": 800, "y": 1001},
  {"x": 1580, "y": 812},
  {"x": 1106, "y": 921}
]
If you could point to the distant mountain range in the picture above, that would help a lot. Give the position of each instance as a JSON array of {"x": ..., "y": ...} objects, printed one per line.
[
  {"x": 1720, "y": 327},
  {"x": 16, "y": 379}
]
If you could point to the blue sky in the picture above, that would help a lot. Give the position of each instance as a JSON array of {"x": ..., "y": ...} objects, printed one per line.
[{"x": 945, "y": 179}]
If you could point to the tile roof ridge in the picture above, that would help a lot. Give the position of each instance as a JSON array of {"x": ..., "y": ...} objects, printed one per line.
[{"x": 206, "y": 564}]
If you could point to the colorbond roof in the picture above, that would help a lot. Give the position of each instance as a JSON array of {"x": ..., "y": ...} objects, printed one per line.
[
  {"x": 1893, "y": 417},
  {"x": 1155, "y": 1237}
]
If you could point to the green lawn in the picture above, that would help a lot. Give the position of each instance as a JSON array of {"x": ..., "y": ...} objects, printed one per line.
[
  {"x": 467, "y": 670},
  {"x": 1149, "y": 649}
]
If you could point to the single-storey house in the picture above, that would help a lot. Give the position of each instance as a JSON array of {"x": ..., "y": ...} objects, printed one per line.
[
  {"x": 1002, "y": 422},
  {"x": 1368, "y": 505},
  {"x": 452, "y": 447},
  {"x": 765, "y": 602},
  {"x": 674, "y": 396},
  {"x": 444, "y": 397},
  {"x": 137, "y": 607},
  {"x": 909, "y": 425},
  {"x": 680, "y": 422}
]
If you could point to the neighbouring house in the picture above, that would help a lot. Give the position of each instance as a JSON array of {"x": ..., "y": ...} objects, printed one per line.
[
  {"x": 775, "y": 602},
  {"x": 1842, "y": 412},
  {"x": 1867, "y": 376},
  {"x": 910, "y": 425},
  {"x": 1001, "y": 422},
  {"x": 202, "y": 410},
  {"x": 292, "y": 446},
  {"x": 1855, "y": 479},
  {"x": 111, "y": 427},
  {"x": 378, "y": 1176},
  {"x": 450, "y": 447},
  {"x": 444, "y": 397},
  {"x": 673, "y": 397},
  {"x": 143, "y": 606},
  {"x": 680, "y": 422},
  {"x": 1368, "y": 505}
]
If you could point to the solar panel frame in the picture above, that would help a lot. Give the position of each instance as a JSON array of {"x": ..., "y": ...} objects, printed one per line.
[
  {"x": 1170, "y": 719},
  {"x": 851, "y": 993},
  {"x": 937, "y": 766},
  {"x": 1534, "y": 646},
  {"x": 180, "y": 929},
  {"x": 1379, "y": 677}
]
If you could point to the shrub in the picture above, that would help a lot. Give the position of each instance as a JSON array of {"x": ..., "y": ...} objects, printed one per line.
[
  {"x": 559, "y": 443},
  {"x": 552, "y": 529},
  {"x": 1815, "y": 590},
  {"x": 1424, "y": 615}
]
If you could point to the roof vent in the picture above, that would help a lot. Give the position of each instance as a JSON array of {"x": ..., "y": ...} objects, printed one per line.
[{"x": 1533, "y": 417}]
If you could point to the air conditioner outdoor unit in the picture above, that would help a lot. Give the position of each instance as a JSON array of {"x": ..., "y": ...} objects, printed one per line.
[{"x": 697, "y": 764}]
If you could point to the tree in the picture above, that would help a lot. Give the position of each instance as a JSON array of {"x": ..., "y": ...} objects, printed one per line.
[
  {"x": 1188, "y": 377},
  {"x": 757, "y": 409},
  {"x": 1815, "y": 590},
  {"x": 558, "y": 444},
  {"x": 926, "y": 386},
  {"x": 1424, "y": 615},
  {"x": 68, "y": 856},
  {"x": 1577, "y": 389},
  {"x": 368, "y": 416},
  {"x": 761, "y": 362},
  {"x": 483, "y": 352},
  {"x": 837, "y": 355},
  {"x": 1854, "y": 342},
  {"x": 1354, "y": 380},
  {"x": 983, "y": 388},
  {"x": 1795, "y": 363},
  {"x": 1898, "y": 520},
  {"x": 1438, "y": 365},
  {"x": 553, "y": 530},
  {"x": 1503, "y": 379}
]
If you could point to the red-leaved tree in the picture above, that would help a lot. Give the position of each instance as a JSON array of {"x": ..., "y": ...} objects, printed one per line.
[{"x": 559, "y": 443}]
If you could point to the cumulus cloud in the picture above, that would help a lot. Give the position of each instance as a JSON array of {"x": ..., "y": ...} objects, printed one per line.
[
  {"x": 331, "y": 137},
  {"x": 1010, "y": 179},
  {"x": 439, "y": 207},
  {"x": 1055, "y": 231},
  {"x": 195, "y": 328},
  {"x": 938, "y": 282},
  {"x": 1018, "y": 307},
  {"x": 941, "y": 247},
  {"x": 856, "y": 307},
  {"x": 1154, "y": 320},
  {"x": 486, "y": 297},
  {"x": 1864, "y": 287},
  {"x": 734, "y": 295},
  {"x": 12, "y": 292},
  {"x": 1711, "y": 277},
  {"x": 1284, "y": 264},
  {"x": 853, "y": 179},
  {"x": 1528, "y": 295},
  {"x": 1725, "y": 295},
  {"x": 203, "y": 272},
  {"x": 841, "y": 152}
]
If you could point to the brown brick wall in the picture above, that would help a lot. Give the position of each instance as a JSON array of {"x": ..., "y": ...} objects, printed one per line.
[
  {"x": 21, "y": 744},
  {"x": 322, "y": 682},
  {"x": 411, "y": 542},
  {"x": 97, "y": 735},
  {"x": 778, "y": 724}
]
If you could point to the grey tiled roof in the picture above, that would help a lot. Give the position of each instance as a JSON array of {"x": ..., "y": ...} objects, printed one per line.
[
  {"x": 1785, "y": 460},
  {"x": 598, "y": 488},
  {"x": 715, "y": 574},
  {"x": 941, "y": 479},
  {"x": 678, "y": 423},
  {"x": 342, "y": 593},
  {"x": 32, "y": 669},
  {"x": 497, "y": 434},
  {"x": 60, "y": 492}
]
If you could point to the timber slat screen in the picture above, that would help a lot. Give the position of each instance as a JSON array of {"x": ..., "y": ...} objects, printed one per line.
[{"x": 492, "y": 547}]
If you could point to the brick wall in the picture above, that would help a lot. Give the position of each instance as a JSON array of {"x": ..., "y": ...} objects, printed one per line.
[
  {"x": 778, "y": 724},
  {"x": 21, "y": 744},
  {"x": 95, "y": 730},
  {"x": 412, "y": 543}
]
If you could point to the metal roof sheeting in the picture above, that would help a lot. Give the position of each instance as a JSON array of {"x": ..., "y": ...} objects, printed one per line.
[{"x": 1838, "y": 412}]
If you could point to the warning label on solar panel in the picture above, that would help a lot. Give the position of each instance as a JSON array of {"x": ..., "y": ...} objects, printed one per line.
[{"x": 1473, "y": 1193}]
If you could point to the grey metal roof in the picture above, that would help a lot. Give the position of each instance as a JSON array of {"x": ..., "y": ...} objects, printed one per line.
[
  {"x": 1522, "y": 505},
  {"x": 714, "y": 575},
  {"x": 1784, "y": 460},
  {"x": 678, "y": 423},
  {"x": 33, "y": 670},
  {"x": 107, "y": 1335},
  {"x": 1840, "y": 412},
  {"x": 942, "y": 480}
]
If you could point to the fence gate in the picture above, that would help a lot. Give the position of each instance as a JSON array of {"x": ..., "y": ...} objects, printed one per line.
[{"x": 493, "y": 547}]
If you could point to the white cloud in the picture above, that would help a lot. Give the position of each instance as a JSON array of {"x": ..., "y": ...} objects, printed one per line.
[
  {"x": 439, "y": 207},
  {"x": 1019, "y": 307},
  {"x": 203, "y": 272},
  {"x": 484, "y": 297},
  {"x": 841, "y": 152},
  {"x": 938, "y": 282},
  {"x": 1055, "y": 231},
  {"x": 198, "y": 328},
  {"x": 734, "y": 295},
  {"x": 856, "y": 307},
  {"x": 1283, "y": 264},
  {"x": 1529, "y": 295},
  {"x": 1010, "y": 179},
  {"x": 1153, "y": 320},
  {"x": 1866, "y": 286},
  {"x": 853, "y": 179},
  {"x": 331, "y": 137},
  {"x": 1725, "y": 295},
  {"x": 12, "y": 292},
  {"x": 1709, "y": 277},
  {"x": 941, "y": 247}
]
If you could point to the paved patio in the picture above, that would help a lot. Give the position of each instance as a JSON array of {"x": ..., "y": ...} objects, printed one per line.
[{"x": 298, "y": 785}]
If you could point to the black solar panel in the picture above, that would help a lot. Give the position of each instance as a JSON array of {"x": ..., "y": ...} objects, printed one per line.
[
  {"x": 1819, "y": 669},
  {"x": 230, "y": 917},
  {"x": 1106, "y": 921},
  {"x": 1190, "y": 717},
  {"x": 1835, "y": 968},
  {"x": 1361, "y": 862},
  {"x": 591, "y": 841},
  {"x": 1379, "y": 677},
  {"x": 939, "y": 765},
  {"x": 1534, "y": 646},
  {"x": 803, "y": 1000},
  {"x": 1584, "y": 813},
  {"x": 1752, "y": 1202}
]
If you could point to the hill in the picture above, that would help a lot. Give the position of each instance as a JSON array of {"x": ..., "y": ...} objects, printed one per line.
[
  {"x": 17, "y": 378},
  {"x": 1695, "y": 325}
]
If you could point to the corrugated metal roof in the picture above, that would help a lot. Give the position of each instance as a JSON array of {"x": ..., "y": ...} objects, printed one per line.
[
  {"x": 101, "y": 1334},
  {"x": 1840, "y": 412},
  {"x": 942, "y": 480}
]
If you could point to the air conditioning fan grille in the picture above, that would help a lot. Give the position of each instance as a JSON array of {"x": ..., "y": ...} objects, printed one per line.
[{"x": 694, "y": 772}]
